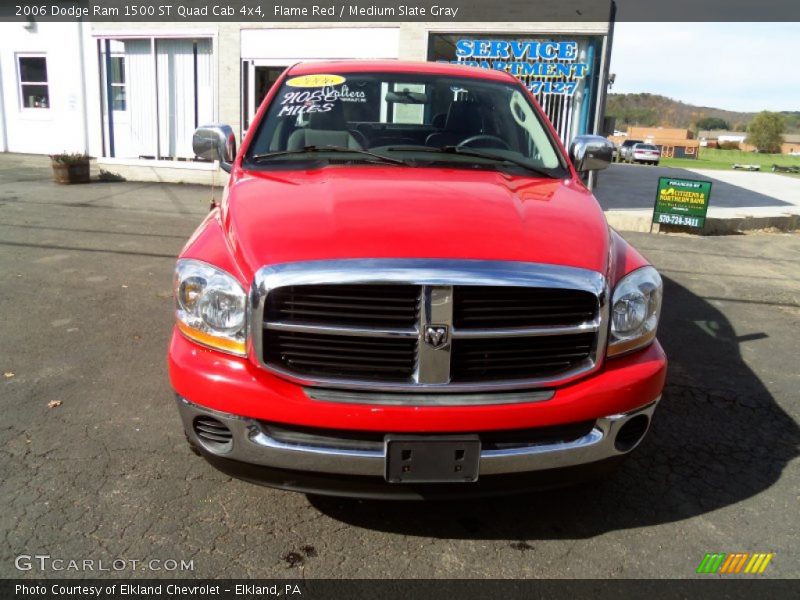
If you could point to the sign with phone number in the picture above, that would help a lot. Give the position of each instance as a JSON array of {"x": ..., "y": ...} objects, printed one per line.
[
  {"x": 682, "y": 202},
  {"x": 679, "y": 220}
]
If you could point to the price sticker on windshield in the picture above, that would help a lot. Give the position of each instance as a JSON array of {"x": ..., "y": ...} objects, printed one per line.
[{"x": 315, "y": 81}]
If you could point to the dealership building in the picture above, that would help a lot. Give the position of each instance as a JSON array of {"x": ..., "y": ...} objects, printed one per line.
[{"x": 131, "y": 94}]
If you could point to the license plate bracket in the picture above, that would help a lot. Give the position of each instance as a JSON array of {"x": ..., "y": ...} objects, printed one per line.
[{"x": 432, "y": 459}]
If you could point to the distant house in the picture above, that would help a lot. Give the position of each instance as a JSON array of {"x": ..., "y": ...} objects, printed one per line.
[
  {"x": 791, "y": 144},
  {"x": 679, "y": 143},
  {"x": 713, "y": 139},
  {"x": 673, "y": 142}
]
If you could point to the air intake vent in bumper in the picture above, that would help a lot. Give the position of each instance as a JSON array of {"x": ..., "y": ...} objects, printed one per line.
[{"x": 213, "y": 433}]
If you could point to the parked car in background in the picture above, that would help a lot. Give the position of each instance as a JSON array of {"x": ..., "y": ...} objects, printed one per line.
[
  {"x": 645, "y": 153},
  {"x": 408, "y": 291},
  {"x": 624, "y": 151}
]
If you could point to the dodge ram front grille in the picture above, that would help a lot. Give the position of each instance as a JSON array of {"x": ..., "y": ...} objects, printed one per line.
[
  {"x": 476, "y": 306},
  {"x": 388, "y": 359},
  {"x": 428, "y": 325},
  {"x": 518, "y": 358},
  {"x": 373, "y": 305}
]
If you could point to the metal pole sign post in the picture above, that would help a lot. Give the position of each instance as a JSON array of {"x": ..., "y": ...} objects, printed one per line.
[{"x": 681, "y": 202}]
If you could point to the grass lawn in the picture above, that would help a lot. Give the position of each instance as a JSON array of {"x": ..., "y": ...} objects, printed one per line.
[{"x": 712, "y": 158}]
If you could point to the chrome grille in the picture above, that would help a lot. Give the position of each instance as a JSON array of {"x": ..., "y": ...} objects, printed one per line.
[
  {"x": 428, "y": 325},
  {"x": 519, "y": 357},
  {"x": 388, "y": 359},
  {"x": 521, "y": 307},
  {"x": 373, "y": 305}
]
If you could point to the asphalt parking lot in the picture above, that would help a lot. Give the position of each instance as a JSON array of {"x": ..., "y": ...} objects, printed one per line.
[
  {"x": 625, "y": 186},
  {"x": 94, "y": 463}
]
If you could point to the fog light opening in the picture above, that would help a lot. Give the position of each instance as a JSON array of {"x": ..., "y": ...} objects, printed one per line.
[
  {"x": 631, "y": 433},
  {"x": 213, "y": 434}
]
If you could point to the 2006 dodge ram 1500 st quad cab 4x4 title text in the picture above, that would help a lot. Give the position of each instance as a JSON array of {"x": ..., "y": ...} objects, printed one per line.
[{"x": 407, "y": 291}]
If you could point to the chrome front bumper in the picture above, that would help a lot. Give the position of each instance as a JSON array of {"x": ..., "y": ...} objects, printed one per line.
[{"x": 251, "y": 444}]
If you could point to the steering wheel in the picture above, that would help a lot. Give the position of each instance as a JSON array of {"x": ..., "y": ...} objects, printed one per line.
[
  {"x": 360, "y": 137},
  {"x": 470, "y": 141}
]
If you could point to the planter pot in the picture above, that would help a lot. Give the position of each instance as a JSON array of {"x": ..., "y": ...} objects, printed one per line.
[{"x": 72, "y": 173}]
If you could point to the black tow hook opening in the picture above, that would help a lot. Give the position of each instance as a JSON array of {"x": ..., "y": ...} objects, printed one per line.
[{"x": 631, "y": 433}]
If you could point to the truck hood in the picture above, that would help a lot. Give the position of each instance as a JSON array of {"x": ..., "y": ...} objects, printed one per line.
[{"x": 404, "y": 212}]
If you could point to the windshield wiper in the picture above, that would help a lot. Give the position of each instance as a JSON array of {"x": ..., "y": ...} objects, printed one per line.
[
  {"x": 311, "y": 149},
  {"x": 465, "y": 151}
]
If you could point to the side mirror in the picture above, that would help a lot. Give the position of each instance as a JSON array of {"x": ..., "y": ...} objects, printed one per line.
[
  {"x": 215, "y": 142},
  {"x": 591, "y": 153}
]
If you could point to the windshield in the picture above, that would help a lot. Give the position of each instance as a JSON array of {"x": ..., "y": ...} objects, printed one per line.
[
  {"x": 645, "y": 147},
  {"x": 417, "y": 120}
]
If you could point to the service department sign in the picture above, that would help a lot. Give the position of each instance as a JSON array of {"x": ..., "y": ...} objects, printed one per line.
[
  {"x": 550, "y": 67},
  {"x": 682, "y": 202}
]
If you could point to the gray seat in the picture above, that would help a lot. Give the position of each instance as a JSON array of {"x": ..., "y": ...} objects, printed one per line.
[
  {"x": 324, "y": 129},
  {"x": 463, "y": 121}
]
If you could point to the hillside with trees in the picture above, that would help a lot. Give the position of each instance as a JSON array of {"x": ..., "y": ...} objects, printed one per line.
[{"x": 653, "y": 110}]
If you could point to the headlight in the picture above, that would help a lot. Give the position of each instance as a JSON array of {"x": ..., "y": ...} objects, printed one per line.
[
  {"x": 210, "y": 306},
  {"x": 635, "y": 309}
]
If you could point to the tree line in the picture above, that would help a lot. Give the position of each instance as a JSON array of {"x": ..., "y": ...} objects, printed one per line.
[{"x": 764, "y": 130}]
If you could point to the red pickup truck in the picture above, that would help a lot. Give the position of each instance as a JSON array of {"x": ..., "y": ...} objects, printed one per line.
[{"x": 408, "y": 291}]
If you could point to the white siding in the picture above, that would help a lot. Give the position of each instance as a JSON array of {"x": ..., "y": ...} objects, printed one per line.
[
  {"x": 61, "y": 127},
  {"x": 286, "y": 45}
]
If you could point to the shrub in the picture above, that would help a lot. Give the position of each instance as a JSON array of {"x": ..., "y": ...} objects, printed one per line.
[
  {"x": 728, "y": 145},
  {"x": 66, "y": 158}
]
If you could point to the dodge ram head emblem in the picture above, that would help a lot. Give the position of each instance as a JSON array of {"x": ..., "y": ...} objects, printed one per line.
[{"x": 436, "y": 335}]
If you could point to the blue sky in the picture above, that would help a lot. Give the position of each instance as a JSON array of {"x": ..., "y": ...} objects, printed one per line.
[{"x": 735, "y": 66}]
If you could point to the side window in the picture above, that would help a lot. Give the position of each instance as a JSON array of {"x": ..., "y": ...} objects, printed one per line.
[
  {"x": 538, "y": 146},
  {"x": 34, "y": 90}
]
